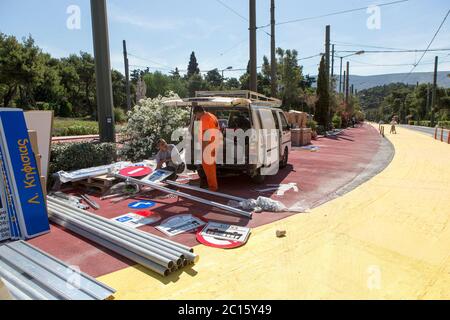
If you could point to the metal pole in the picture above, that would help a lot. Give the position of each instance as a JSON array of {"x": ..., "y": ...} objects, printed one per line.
[
  {"x": 185, "y": 195},
  {"x": 332, "y": 61},
  {"x": 433, "y": 97},
  {"x": 127, "y": 75},
  {"x": 427, "y": 105},
  {"x": 158, "y": 250},
  {"x": 253, "y": 53},
  {"x": 340, "y": 77},
  {"x": 193, "y": 188},
  {"x": 327, "y": 50},
  {"x": 108, "y": 236},
  {"x": 111, "y": 246},
  {"x": 347, "y": 86},
  {"x": 343, "y": 83},
  {"x": 186, "y": 251},
  {"x": 173, "y": 253},
  {"x": 103, "y": 71},
  {"x": 273, "y": 60}
]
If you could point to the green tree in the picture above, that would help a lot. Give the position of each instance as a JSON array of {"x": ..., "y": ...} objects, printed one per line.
[
  {"x": 195, "y": 83},
  {"x": 290, "y": 78},
  {"x": 119, "y": 90},
  {"x": 20, "y": 68},
  {"x": 323, "y": 103},
  {"x": 232, "y": 84},
  {"x": 213, "y": 79},
  {"x": 192, "y": 66},
  {"x": 157, "y": 84}
]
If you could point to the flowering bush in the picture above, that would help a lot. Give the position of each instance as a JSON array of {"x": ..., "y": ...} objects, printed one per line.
[{"x": 147, "y": 123}]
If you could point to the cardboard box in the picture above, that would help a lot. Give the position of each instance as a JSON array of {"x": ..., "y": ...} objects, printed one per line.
[
  {"x": 38, "y": 162},
  {"x": 34, "y": 141},
  {"x": 44, "y": 186},
  {"x": 301, "y": 137},
  {"x": 297, "y": 119}
]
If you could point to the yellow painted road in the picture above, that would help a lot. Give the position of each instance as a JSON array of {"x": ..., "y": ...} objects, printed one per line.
[{"x": 387, "y": 239}]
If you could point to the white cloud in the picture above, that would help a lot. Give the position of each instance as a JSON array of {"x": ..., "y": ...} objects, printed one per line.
[{"x": 119, "y": 15}]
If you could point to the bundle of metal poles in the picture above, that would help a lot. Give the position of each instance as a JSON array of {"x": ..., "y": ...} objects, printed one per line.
[
  {"x": 31, "y": 274},
  {"x": 155, "y": 253},
  {"x": 159, "y": 187}
]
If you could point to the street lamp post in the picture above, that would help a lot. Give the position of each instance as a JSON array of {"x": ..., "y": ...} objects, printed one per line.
[{"x": 340, "y": 68}]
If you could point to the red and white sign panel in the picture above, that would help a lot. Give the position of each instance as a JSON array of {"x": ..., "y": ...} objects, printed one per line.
[
  {"x": 225, "y": 236},
  {"x": 218, "y": 243},
  {"x": 136, "y": 171}
]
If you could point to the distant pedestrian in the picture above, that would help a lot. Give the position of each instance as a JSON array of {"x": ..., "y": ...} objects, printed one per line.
[{"x": 393, "y": 129}]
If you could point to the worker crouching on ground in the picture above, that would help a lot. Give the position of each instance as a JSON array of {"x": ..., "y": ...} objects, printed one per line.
[
  {"x": 168, "y": 158},
  {"x": 208, "y": 128}
]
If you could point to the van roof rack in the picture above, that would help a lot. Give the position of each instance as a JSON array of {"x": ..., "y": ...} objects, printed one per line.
[{"x": 242, "y": 94}]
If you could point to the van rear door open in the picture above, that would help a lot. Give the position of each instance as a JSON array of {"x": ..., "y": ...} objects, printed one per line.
[{"x": 270, "y": 138}]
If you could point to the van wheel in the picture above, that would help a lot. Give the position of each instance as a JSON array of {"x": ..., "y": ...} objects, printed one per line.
[
  {"x": 258, "y": 178},
  {"x": 285, "y": 159}
]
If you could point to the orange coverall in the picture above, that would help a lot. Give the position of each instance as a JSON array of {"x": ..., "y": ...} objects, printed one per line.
[{"x": 209, "y": 121}]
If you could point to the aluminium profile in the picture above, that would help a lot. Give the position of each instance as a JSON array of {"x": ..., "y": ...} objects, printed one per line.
[
  {"x": 193, "y": 188},
  {"x": 169, "y": 255},
  {"x": 110, "y": 226},
  {"x": 166, "y": 262},
  {"x": 112, "y": 246},
  {"x": 185, "y": 195},
  {"x": 185, "y": 250},
  {"x": 14, "y": 292},
  {"x": 41, "y": 276}
]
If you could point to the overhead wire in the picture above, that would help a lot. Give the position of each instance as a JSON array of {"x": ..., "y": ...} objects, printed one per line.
[
  {"x": 333, "y": 13},
  {"x": 429, "y": 44}
]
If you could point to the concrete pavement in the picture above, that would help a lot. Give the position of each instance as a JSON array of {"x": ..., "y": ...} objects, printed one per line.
[{"x": 387, "y": 239}]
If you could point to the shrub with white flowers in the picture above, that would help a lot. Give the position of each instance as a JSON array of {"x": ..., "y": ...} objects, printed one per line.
[{"x": 147, "y": 123}]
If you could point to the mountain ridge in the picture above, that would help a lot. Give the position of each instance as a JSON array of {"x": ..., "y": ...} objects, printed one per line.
[{"x": 366, "y": 82}]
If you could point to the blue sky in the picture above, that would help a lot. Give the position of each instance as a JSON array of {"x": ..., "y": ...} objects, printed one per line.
[{"x": 162, "y": 34}]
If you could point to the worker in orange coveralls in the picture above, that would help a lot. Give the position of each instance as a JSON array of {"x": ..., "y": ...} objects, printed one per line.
[{"x": 208, "y": 122}]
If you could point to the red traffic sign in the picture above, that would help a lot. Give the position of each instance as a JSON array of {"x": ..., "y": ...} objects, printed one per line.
[{"x": 136, "y": 171}]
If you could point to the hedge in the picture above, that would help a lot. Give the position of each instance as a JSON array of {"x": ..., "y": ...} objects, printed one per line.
[
  {"x": 440, "y": 124},
  {"x": 76, "y": 130},
  {"x": 75, "y": 156},
  {"x": 444, "y": 124}
]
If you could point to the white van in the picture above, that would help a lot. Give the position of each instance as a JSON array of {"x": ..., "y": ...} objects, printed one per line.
[{"x": 268, "y": 144}]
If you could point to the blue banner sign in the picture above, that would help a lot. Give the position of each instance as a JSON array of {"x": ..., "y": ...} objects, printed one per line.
[{"x": 22, "y": 192}]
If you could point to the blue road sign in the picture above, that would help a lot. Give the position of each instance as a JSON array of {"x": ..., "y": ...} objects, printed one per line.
[
  {"x": 21, "y": 170},
  {"x": 141, "y": 205}
]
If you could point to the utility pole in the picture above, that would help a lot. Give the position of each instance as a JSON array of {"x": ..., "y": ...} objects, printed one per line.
[
  {"x": 327, "y": 51},
  {"x": 127, "y": 75},
  {"x": 352, "y": 89},
  {"x": 347, "y": 86},
  {"x": 103, "y": 71},
  {"x": 327, "y": 62},
  {"x": 343, "y": 82},
  {"x": 253, "y": 53},
  {"x": 273, "y": 58},
  {"x": 332, "y": 61},
  {"x": 428, "y": 99},
  {"x": 340, "y": 77},
  {"x": 433, "y": 97}
]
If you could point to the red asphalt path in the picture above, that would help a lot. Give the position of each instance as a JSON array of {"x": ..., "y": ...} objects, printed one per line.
[{"x": 318, "y": 175}]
